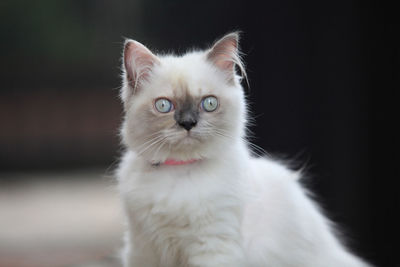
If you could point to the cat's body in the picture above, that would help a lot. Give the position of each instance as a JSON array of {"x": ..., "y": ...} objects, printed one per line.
[{"x": 216, "y": 205}]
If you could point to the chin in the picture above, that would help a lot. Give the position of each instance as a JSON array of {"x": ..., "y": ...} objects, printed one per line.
[{"x": 185, "y": 148}]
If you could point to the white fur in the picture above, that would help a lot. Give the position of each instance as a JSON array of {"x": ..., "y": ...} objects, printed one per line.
[{"x": 229, "y": 208}]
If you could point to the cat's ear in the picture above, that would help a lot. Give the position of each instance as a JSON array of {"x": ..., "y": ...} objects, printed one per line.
[
  {"x": 224, "y": 54},
  {"x": 138, "y": 63}
]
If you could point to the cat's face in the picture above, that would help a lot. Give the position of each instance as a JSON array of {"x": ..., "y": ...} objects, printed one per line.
[{"x": 182, "y": 108}]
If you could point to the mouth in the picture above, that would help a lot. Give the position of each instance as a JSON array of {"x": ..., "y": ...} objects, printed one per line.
[
  {"x": 189, "y": 139},
  {"x": 184, "y": 140}
]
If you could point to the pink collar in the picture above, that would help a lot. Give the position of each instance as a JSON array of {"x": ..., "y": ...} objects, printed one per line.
[{"x": 172, "y": 162}]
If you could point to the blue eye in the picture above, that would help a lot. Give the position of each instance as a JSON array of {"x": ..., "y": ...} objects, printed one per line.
[
  {"x": 163, "y": 105},
  {"x": 209, "y": 103}
]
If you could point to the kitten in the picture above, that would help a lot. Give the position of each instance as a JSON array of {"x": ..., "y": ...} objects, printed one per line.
[{"x": 193, "y": 194}]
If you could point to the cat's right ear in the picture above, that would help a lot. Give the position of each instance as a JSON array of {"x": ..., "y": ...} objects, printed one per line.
[
  {"x": 224, "y": 54},
  {"x": 138, "y": 63}
]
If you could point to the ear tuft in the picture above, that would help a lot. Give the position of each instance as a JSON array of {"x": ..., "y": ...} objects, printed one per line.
[
  {"x": 138, "y": 63},
  {"x": 224, "y": 54}
]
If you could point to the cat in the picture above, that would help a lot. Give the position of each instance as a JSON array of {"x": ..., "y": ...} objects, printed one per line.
[{"x": 193, "y": 193}]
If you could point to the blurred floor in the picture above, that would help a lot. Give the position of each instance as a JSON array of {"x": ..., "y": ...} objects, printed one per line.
[{"x": 50, "y": 220}]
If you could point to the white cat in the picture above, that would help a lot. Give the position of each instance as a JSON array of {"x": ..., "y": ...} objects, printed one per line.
[{"x": 193, "y": 194}]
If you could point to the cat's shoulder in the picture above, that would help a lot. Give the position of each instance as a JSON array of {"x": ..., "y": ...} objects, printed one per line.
[{"x": 273, "y": 169}]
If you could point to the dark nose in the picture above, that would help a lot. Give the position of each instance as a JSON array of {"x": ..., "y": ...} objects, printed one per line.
[{"x": 187, "y": 124}]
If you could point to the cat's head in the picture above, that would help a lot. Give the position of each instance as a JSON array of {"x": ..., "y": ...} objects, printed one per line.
[{"x": 182, "y": 107}]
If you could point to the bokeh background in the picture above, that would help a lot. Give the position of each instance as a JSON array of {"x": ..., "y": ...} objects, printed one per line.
[{"x": 322, "y": 77}]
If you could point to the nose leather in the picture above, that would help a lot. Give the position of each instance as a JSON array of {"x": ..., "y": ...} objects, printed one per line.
[
  {"x": 187, "y": 115},
  {"x": 187, "y": 124}
]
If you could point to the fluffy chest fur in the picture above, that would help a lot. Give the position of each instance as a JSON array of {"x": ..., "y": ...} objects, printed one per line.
[{"x": 172, "y": 209}]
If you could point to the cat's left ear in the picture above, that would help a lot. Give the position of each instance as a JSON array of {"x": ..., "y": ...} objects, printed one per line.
[
  {"x": 138, "y": 64},
  {"x": 224, "y": 54}
]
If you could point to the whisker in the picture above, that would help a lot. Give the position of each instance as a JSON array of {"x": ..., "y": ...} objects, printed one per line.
[
  {"x": 257, "y": 150},
  {"x": 156, "y": 141},
  {"x": 148, "y": 141},
  {"x": 162, "y": 143}
]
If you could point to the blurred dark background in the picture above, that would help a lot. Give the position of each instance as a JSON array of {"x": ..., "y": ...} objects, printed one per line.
[{"x": 322, "y": 77}]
